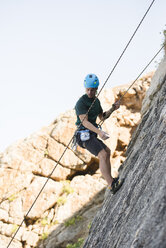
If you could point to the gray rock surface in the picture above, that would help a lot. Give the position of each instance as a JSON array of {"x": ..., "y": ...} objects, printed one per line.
[{"x": 135, "y": 217}]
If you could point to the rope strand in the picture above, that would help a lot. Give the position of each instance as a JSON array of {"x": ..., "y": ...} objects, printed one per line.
[
  {"x": 142, "y": 72},
  {"x": 101, "y": 122},
  {"x": 126, "y": 46}
]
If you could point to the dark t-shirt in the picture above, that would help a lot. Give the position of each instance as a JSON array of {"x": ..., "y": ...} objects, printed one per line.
[{"x": 82, "y": 107}]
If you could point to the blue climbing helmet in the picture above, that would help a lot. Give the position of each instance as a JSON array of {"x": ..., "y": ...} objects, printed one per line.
[{"x": 91, "y": 81}]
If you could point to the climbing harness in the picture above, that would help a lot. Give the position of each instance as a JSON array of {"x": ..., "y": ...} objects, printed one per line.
[
  {"x": 67, "y": 147},
  {"x": 84, "y": 135}
]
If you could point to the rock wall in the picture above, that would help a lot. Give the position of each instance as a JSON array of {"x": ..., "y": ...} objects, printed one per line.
[
  {"x": 75, "y": 190},
  {"x": 136, "y": 215}
]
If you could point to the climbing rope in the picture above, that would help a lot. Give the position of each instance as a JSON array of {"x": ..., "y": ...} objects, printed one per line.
[
  {"x": 141, "y": 72},
  {"x": 117, "y": 62},
  {"x": 101, "y": 122},
  {"x": 67, "y": 147}
]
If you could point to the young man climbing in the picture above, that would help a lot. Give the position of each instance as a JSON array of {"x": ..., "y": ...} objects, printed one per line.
[{"x": 87, "y": 129}]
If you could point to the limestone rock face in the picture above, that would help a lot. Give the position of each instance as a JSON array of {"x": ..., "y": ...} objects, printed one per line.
[
  {"x": 72, "y": 190},
  {"x": 136, "y": 215}
]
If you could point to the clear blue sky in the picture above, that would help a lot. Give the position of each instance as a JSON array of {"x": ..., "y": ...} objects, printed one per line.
[{"x": 48, "y": 46}]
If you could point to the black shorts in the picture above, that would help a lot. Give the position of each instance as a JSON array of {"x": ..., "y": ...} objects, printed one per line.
[{"x": 93, "y": 145}]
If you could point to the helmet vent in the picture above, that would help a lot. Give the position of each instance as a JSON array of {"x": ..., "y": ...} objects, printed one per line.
[{"x": 90, "y": 76}]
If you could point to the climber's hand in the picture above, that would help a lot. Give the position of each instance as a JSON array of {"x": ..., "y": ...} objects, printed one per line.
[
  {"x": 103, "y": 135},
  {"x": 116, "y": 105}
]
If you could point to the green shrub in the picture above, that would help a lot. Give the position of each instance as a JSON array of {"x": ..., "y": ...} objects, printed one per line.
[
  {"x": 46, "y": 153},
  {"x": 61, "y": 200},
  {"x": 73, "y": 220},
  {"x": 44, "y": 235},
  {"x": 78, "y": 244},
  {"x": 89, "y": 225},
  {"x": 12, "y": 197},
  {"x": 54, "y": 223},
  {"x": 45, "y": 221},
  {"x": 67, "y": 188},
  {"x": 164, "y": 32},
  {"x": 14, "y": 228}
]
